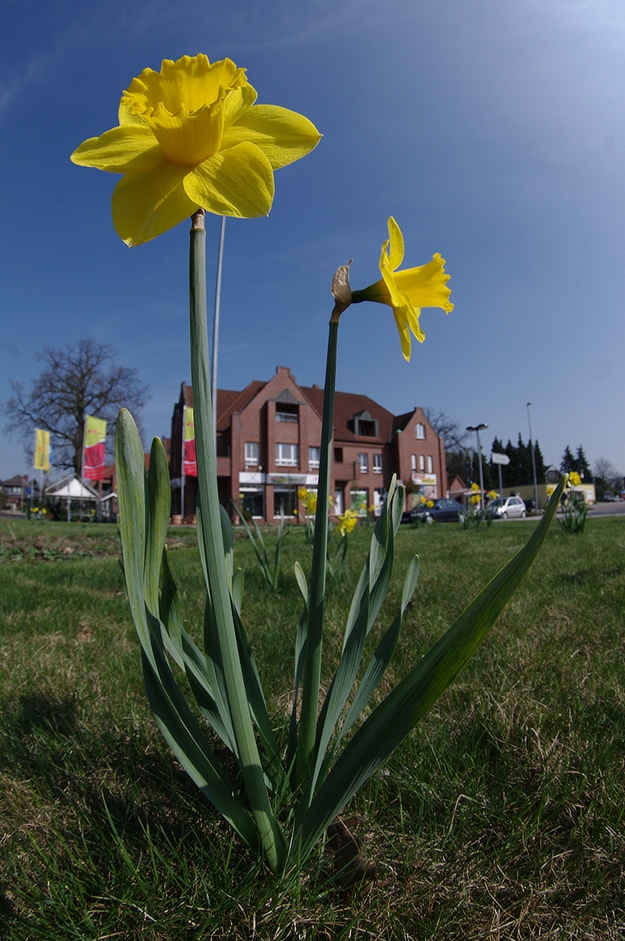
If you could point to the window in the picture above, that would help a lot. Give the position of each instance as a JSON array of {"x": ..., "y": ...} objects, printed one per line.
[
  {"x": 252, "y": 502},
  {"x": 430, "y": 465},
  {"x": 287, "y": 455},
  {"x": 284, "y": 500},
  {"x": 338, "y": 455},
  {"x": 359, "y": 501},
  {"x": 251, "y": 452},
  {"x": 413, "y": 462},
  {"x": 377, "y": 463},
  {"x": 419, "y": 431},
  {"x": 313, "y": 457},
  {"x": 421, "y": 462},
  {"x": 285, "y": 411},
  {"x": 365, "y": 424},
  {"x": 363, "y": 463}
]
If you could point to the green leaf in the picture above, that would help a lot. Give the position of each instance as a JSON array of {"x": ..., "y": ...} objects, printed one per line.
[
  {"x": 302, "y": 584},
  {"x": 158, "y": 506},
  {"x": 398, "y": 714},
  {"x": 185, "y": 738},
  {"x": 383, "y": 654},
  {"x": 130, "y": 467}
]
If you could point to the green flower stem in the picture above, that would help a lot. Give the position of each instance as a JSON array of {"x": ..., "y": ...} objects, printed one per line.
[
  {"x": 271, "y": 836},
  {"x": 314, "y": 635}
]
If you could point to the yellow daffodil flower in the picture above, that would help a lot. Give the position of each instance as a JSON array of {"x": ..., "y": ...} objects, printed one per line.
[
  {"x": 191, "y": 137},
  {"x": 347, "y": 521},
  {"x": 309, "y": 499},
  {"x": 409, "y": 290},
  {"x": 574, "y": 479}
]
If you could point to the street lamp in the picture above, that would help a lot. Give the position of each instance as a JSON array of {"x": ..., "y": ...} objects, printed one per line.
[
  {"x": 529, "y": 421},
  {"x": 477, "y": 429}
]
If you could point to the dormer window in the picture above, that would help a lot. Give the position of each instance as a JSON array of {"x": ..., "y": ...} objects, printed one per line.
[
  {"x": 365, "y": 425},
  {"x": 287, "y": 407}
]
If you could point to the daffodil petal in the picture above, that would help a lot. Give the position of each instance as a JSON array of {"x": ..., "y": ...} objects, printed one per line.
[
  {"x": 147, "y": 204},
  {"x": 404, "y": 333},
  {"x": 234, "y": 182},
  {"x": 412, "y": 313},
  {"x": 427, "y": 285},
  {"x": 237, "y": 101},
  {"x": 388, "y": 277},
  {"x": 282, "y": 135},
  {"x": 128, "y": 149},
  {"x": 126, "y": 116},
  {"x": 396, "y": 239}
]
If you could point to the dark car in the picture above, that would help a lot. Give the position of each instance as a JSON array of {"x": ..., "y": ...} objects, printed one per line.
[{"x": 443, "y": 511}]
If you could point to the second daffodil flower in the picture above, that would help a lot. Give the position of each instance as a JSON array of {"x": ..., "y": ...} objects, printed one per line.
[
  {"x": 407, "y": 291},
  {"x": 191, "y": 137}
]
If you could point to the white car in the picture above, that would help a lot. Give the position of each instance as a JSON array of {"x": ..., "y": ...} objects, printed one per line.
[{"x": 508, "y": 508}]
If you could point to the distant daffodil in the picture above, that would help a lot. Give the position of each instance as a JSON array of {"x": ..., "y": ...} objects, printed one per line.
[
  {"x": 407, "y": 291},
  {"x": 191, "y": 137}
]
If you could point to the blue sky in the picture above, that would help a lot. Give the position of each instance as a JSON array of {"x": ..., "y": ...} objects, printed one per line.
[{"x": 493, "y": 132}]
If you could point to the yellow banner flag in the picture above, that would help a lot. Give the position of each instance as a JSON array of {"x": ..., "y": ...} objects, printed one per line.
[
  {"x": 189, "y": 459},
  {"x": 42, "y": 449}
]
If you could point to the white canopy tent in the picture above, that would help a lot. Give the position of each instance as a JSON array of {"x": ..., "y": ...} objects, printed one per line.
[{"x": 72, "y": 489}]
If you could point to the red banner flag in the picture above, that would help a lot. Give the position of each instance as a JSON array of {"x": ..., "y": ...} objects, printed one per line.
[{"x": 95, "y": 448}]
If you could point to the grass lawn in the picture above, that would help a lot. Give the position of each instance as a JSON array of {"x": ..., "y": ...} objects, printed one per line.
[{"x": 501, "y": 817}]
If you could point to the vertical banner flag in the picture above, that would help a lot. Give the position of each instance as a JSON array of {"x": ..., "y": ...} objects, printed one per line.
[
  {"x": 95, "y": 448},
  {"x": 190, "y": 464},
  {"x": 42, "y": 450}
]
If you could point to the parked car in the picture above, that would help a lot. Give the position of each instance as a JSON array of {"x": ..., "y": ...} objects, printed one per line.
[
  {"x": 442, "y": 511},
  {"x": 508, "y": 508},
  {"x": 609, "y": 498}
]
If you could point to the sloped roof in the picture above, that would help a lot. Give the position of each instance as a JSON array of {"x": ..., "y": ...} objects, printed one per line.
[
  {"x": 72, "y": 489},
  {"x": 346, "y": 406}
]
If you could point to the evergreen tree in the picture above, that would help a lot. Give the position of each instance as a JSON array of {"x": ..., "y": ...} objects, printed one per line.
[
  {"x": 541, "y": 467},
  {"x": 568, "y": 463},
  {"x": 582, "y": 466}
]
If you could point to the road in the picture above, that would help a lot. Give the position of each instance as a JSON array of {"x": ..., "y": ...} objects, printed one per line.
[{"x": 608, "y": 509}]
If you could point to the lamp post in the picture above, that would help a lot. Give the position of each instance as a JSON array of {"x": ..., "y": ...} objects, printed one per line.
[
  {"x": 477, "y": 429},
  {"x": 529, "y": 421}
]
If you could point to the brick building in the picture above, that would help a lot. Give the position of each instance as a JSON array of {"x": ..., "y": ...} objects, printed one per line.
[{"x": 268, "y": 443}]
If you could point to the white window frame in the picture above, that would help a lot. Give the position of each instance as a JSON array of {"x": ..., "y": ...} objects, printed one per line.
[
  {"x": 430, "y": 464},
  {"x": 287, "y": 455},
  {"x": 422, "y": 463},
  {"x": 251, "y": 452},
  {"x": 377, "y": 463},
  {"x": 363, "y": 462},
  {"x": 313, "y": 461},
  {"x": 419, "y": 431}
]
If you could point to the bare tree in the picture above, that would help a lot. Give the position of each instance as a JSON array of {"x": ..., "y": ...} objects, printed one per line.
[
  {"x": 453, "y": 435},
  {"x": 78, "y": 380},
  {"x": 607, "y": 477}
]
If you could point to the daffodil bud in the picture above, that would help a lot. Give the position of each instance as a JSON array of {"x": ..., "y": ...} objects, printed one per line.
[{"x": 341, "y": 291}]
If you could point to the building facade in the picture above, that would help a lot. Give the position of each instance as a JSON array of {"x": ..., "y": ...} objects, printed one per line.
[{"x": 268, "y": 446}]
